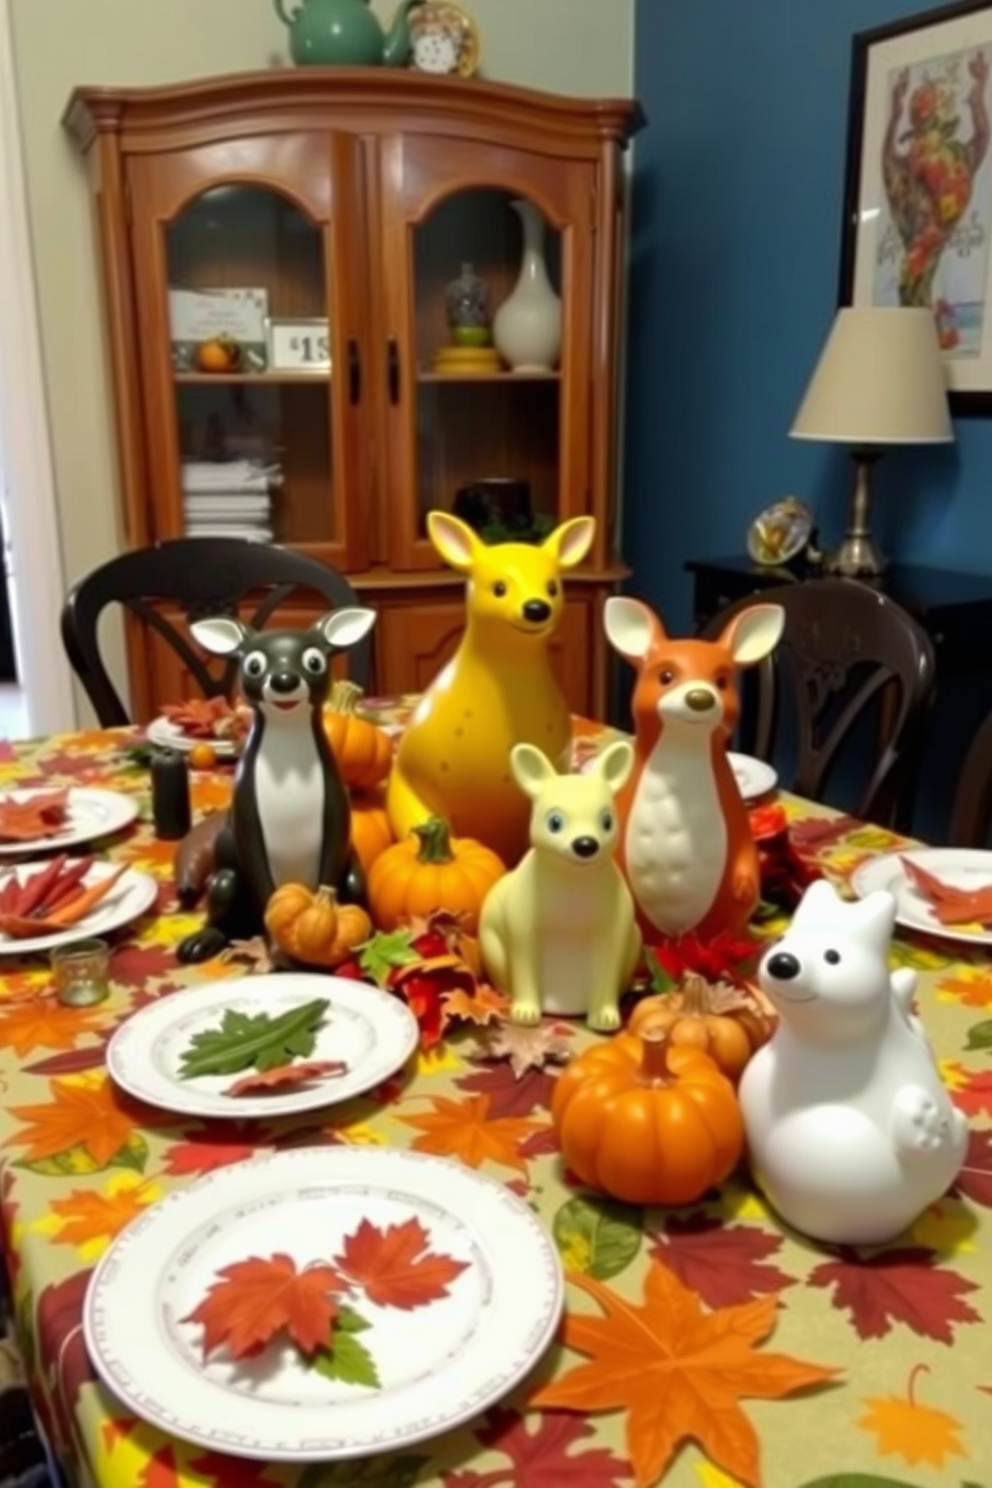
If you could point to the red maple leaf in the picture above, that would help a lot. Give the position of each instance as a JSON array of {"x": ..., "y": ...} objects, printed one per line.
[
  {"x": 257, "y": 1298},
  {"x": 540, "y": 1144},
  {"x": 277, "y": 1078},
  {"x": 133, "y": 965},
  {"x": 396, "y": 1266},
  {"x": 541, "y": 1457},
  {"x": 509, "y": 1096},
  {"x": 975, "y": 1178},
  {"x": 815, "y": 832},
  {"x": 71, "y": 1061},
  {"x": 898, "y": 1286},
  {"x": 215, "y": 1145},
  {"x": 62, "y": 1352},
  {"x": 229, "y": 1472},
  {"x": 723, "y": 1264},
  {"x": 975, "y": 1097}
]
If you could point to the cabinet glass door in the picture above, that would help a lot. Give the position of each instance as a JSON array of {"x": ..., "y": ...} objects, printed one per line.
[{"x": 489, "y": 394}]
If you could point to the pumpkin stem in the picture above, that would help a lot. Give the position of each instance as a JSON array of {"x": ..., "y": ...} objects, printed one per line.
[
  {"x": 654, "y": 1057},
  {"x": 344, "y": 697},
  {"x": 434, "y": 836},
  {"x": 695, "y": 1002},
  {"x": 326, "y": 895}
]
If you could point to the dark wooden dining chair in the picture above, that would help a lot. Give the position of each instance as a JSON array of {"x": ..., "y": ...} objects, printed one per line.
[
  {"x": 204, "y": 576},
  {"x": 971, "y": 808},
  {"x": 859, "y": 675}
]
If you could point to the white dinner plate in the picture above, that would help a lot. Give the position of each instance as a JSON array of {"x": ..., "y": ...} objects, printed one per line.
[
  {"x": 371, "y": 1031},
  {"x": 437, "y": 1365},
  {"x": 131, "y": 895},
  {"x": 168, "y": 735},
  {"x": 90, "y": 813},
  {"x": 754, "y": 777},
  {"x": 963, "y": 867}
]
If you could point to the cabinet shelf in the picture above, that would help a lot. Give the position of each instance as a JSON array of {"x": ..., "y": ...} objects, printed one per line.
[
  {"x": 500, "y": 377},
  {"x": 261, "y": 379}
]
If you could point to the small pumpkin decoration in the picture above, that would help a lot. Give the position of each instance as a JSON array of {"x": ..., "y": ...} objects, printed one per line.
[
  {"x": 720, "y": 1020},
  {"x": 647, "y": 1121},
  {"x": 432, "y": 870},
  {"x": 370, "y": 830},
  {"x": 219, "y": 354},
  {"x": 364, "y": 751},
  {"x": 312, "y": 927}
]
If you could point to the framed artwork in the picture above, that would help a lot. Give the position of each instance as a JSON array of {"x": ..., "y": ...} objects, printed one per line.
[{"x": 918, "y": 195}]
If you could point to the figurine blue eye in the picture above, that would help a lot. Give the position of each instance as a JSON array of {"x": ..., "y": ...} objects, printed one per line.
[
  {"x": 254, "y": 664},
  {"x": 314, "y": 662},
  {"x": 555, "y": 821},
  {"x": 606, "y": 821}
]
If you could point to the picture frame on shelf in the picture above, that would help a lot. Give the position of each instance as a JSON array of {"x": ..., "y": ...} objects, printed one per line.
[
  {"x": 917, "y": 224},
  {"x": 298, "y": 344},
  {"x": 229, "y": 315}
]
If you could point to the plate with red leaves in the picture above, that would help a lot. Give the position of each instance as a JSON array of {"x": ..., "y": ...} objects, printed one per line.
[
  {"x": 52, "y": 903},
  {"x": 65, "y": 816},
  {"x": 213, "y": 721},
  {"x": 322, "y": 1303},
  {"x": 263, "y": 1046},
  {"x": 945, "y": 891}
]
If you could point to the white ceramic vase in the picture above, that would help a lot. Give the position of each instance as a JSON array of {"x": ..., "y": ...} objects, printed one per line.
[{"x": 527, "y": 326}]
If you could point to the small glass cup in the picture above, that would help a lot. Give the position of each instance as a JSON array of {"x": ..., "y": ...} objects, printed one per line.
[{"x": 81, "y": 972}]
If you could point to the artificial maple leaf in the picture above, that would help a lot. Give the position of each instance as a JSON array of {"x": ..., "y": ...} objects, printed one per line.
[
  {"x": 480, "y": 1004},
  {"x": 211, "y": 1147},
  {"x": 950, "y": 904},
  {"x": 45, "y": 1024},
  {"x": 83, "y": 1113},
  {"x": 160, "y": 1471},
  {"x": 914, "y": 1432},
  {"x": 465, "y": 1129},
  {"x": 261, "y": 1081},
  {"x": 970, "y": 1092},
  {"x": 971, "y": 986},
  {"x": 89, "y": 1216},
  {"x": 678, "y": 1372},
  {"x": 527, "y": 1048},
  {"x": 541, "y": 1458},
  {"x": 40, "y": 815},
  {"x": 508, "y": 1095},
  {"x": 62, "y": 1353},
  {"x": 200, "y": 718},
  {"x": 974, "y": 1179},
  {"x": 259, "y": 1297},
  {"x": 898, "y": 1286},
  {"x": 724, "y": 1264},
  {"x": 73, "y": 1061},
  {"x": 254, "y": 952},
  {"x": 396, "y": 1266}
]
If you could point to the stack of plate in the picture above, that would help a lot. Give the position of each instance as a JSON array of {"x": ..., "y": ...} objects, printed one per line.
[{"x": 468, "y": 361}]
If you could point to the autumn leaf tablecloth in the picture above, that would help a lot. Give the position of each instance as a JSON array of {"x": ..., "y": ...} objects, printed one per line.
[{"x": 702, "y": 1347}]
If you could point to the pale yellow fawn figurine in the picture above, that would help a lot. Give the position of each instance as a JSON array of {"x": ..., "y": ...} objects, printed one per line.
[
  {"x": 558, "y": 933},
  {"x": 498, "y": 690}
]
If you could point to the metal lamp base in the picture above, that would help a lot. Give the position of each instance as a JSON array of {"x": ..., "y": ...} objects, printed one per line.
[{"x": 857, "y": 556}]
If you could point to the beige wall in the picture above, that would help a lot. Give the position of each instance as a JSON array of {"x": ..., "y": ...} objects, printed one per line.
[{"x": 576, "y": 46}]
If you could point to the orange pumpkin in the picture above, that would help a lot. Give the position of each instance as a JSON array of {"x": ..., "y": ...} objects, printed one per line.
[
  {"x": 646, "y": 1121},
  {"x": 364, "y": 751},
  {"x": 312, "y": 927},
  {"x": 723, "y": 1022},
  {"x": 432, "y": 870},
  {"x": 220, "y": 354},
  {"x": 370, "y": 830}
]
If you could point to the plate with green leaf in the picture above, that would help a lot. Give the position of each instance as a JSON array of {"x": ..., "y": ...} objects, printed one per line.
[{"x": 262, "y": 1045}]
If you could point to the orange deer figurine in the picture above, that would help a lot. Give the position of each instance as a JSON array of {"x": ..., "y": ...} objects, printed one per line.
[{"x": 685, "y": 844}]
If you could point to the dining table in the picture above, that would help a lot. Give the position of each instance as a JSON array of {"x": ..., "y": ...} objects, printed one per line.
[{"x": 707, "y": 1346}]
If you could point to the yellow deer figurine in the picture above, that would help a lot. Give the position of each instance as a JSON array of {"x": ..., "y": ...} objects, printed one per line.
[{"x": 498, "y": 690}]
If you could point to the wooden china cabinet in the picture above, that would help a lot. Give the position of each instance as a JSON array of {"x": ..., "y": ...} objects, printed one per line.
[{"x": 352, "y": 197}]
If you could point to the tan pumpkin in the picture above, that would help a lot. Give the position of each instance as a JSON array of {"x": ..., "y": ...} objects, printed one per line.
[
  {"x": 364, "y": 752},
  {"x": 312, "y": 927},
  {"x": 370, "y": 830},
  {"x": 719, "y": 1020},
  {"x": 432, "y": 870}
]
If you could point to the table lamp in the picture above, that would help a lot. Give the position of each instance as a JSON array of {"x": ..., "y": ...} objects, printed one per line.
[{"x": 880, "y": 380}]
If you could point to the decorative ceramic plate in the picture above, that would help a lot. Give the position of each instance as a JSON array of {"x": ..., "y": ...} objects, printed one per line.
[
  {"x": 754, "y": 777},
  {"x": 966, "y": 868},
  {"x": 89, "y": 814},
  {"x": 371, "y": 1032},
  {"x": 780, "y": 532},
  {"x": 444, "y": 39},
  {"x": 167, "y": 735},
  {"x": 428, "y": 1365},
  {"x": 131, "y": 895}
]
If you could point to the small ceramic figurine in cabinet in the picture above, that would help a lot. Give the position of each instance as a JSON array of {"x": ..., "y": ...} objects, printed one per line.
[
  {"x": 558, "y": 933},
  {"x": 686, "y": 845},
  {"x": 850, "y": 1131}
]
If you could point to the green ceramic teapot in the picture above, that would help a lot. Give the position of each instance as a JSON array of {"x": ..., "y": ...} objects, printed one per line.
[{"x": 345, "y": 33}]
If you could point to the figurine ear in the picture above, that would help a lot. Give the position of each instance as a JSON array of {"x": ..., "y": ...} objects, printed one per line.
[
  {"x": 453, "y": 539},
  {"x": 820, "y": 902},
  {"x": 570, "y": 542},
  {"x": 221, "y": 635},
  {"x": 754, "y": 633},
  {"x": 875, "y": 918},
  {"x": 631, "y": 628},
  {"x": 615, "y": 764},
  {"x": 344, "y": 628},
  {"x": 531, "y": 769}
]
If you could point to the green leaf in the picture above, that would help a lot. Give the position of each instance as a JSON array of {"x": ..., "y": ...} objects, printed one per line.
[
  {"x": 371, "y": 1472},
  {"x": 263, "y": 1041},
  {"x": 384, "y": 952},
  {"x": 347, "y": 1359},
  {"x": 858, "y": 1480},
  {"x": 77, "y": 1161},
  {"x": 597, "y": 1237},
  {"x": 661, "y": 980},
  {"x": 980, "y": 1035},
  {"x": 350, "y": 1321}
]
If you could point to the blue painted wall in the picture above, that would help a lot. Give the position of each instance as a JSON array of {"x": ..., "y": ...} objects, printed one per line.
[{"x": 736, "y": 226}]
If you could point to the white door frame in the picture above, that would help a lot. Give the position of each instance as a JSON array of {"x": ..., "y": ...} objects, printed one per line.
[{"x": 26, "y": 464}]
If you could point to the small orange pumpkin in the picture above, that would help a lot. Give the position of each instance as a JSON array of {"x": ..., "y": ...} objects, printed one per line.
[
  {"x": 722, "y": 1021},
  {"x": 313, "y": 927},
  {"x": 432, "y": 870},
  {"x": 364, "y": 751},
  {"x": 646, "y": 1121},
  {"x": 219, "y": 354},
  {"x": 370, "y": 830}
]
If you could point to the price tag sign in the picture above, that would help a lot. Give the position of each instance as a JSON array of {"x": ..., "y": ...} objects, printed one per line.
[{"x": 299, "y": 345}]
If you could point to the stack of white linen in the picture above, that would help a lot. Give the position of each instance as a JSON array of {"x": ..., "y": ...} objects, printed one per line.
[{"x": 229, "y": 498}]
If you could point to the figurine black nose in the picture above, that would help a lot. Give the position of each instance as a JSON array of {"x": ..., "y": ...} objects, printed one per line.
[
  {"x": 783, "y": 966},
  {"x": 284, "y": 682},
  {"x": 585, "y": 847},
  {"x": 536, "y": 610},
  {"x": 700, "y": 699}
]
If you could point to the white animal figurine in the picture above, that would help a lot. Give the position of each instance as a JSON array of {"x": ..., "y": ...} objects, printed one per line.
[
  {"x": 850, "y": 1131},
  {"x": 557, "y": 934}
]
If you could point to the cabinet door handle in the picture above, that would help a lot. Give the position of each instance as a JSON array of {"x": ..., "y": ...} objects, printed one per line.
[
  {"x": 354, "y": 372},
  {"x": 393, "y": 370}
]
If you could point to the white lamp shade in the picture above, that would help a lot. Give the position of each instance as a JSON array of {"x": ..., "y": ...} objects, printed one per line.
[{"x": 880, "y": 380}]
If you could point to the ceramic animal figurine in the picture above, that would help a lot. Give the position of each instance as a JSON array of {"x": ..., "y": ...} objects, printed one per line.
[
  {"x": 290, "y": 819},
  {"x": 850, "y": 1130},
  {"x": 686, "y": 845},
  {"x": 498, "y": 690},
  {"x": 557, "y": 934}
]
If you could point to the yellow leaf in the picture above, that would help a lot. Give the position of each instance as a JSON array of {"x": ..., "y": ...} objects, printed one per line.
[
  {"x": 946, "y": 1227},
  {"x": 714, "y": 1477},
  {"x": 434, "y": 1061},
  {"x": 954, "y": 1074},
  {"x": 916, "y": 1433},
  {"x": 359, "y": 1134},
  {"x": 743, "y": 1203}
]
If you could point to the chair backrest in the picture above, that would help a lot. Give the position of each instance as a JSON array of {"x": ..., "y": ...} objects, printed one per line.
[
  {"x": 848, "y": 655},
  {"x": 204, "y": 576},
  {"x": 971, "y": 809}
]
